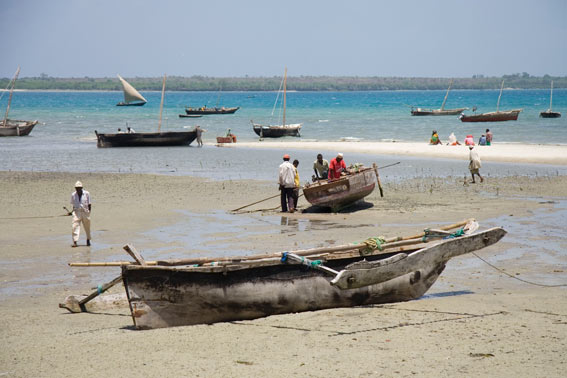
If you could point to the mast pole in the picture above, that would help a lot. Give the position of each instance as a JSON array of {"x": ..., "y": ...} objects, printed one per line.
[
  {"x": 161, "y": 103},
  {"x": 447, "y": 94},
  {"x": 500, "y": 95},
  {"x": 284, "y": 94},
  {"x": 5, "y": 122},
  {"x": 551, "y": 96}
]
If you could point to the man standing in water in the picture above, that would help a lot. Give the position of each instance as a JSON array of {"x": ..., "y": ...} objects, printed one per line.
[
  {"x": 287, "y": 183},
  {"x": 199, "y": 133},
  {"x": 81, "y": 202},
  {"x": 474, "y": 164}
]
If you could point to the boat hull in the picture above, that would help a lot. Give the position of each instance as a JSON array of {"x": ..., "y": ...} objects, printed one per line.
[
  {"x": 436, "y": 112},
  {"x": 171, "y": 138},
  {"x": 169, "y": 296},
  {"x": 131, "y": 104},
  {"x": 343, "y": 192},
  {"x": 550, "y": 114},
  {"x": 16, "y": 128},
  {"x": 207, "y": 111},
  {"x": 277, "y": 131},
  {"x": 511, "y": 115}
]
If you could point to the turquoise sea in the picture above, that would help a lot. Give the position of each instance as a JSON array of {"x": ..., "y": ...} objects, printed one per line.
[{"x": 65, "y": 140}]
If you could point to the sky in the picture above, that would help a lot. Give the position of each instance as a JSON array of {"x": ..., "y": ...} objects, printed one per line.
[{"x": 225, "y": 38}]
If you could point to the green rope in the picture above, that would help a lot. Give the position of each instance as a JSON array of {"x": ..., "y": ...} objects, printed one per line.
[
  {"x": 427, "y": 233},
  {"x": 372, "y": 244}
]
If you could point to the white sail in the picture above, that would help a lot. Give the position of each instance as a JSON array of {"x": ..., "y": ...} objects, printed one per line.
[{"x": 130, "y": 93}]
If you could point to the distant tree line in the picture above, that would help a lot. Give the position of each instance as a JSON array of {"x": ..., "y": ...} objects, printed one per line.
[{"x": 298, "y": 83}]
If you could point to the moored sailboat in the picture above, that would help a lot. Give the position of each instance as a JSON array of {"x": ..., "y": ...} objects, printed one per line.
[
  {"x": 438, "y": 112},
  {"x": 131, "y": 96},
  {"x": 497, "y": 116},
  {"x": 13, "y": 127},
  {"x": 550, "y": 113},
  {"x": 277, "y": 131}
]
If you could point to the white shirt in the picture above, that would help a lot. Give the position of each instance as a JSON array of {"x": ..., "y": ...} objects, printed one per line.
[
  {"x": 287, "y": 175},
  {"x": 82, "y": 203}
]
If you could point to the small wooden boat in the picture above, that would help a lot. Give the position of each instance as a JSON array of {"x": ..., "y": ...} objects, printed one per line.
[
  {"x": 309, "y": 280},
  {"x": 131, "y": 96},
  {"x": 159, "y": 139},
  {"x": 13, "y": 127},
  {"x": 550, "y": 113},
  {"x": 190, "y": 115},
  {"x": 208, "y": 111},
  {"x": 338, "y": 194},
  {"x": 438, "y": 112},
  {"x": 497, "y": 116},
  {"x": 278, "y": 131}
]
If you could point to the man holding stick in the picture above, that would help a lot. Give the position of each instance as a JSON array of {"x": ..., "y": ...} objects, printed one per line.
[{"x": 81, "y": 202}]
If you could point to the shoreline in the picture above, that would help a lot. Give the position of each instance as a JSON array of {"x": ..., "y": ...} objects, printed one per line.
[{"x": 506, "y": 153}]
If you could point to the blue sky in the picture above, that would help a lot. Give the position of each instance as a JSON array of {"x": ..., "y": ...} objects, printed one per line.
[{"x": 437, "y": 38}]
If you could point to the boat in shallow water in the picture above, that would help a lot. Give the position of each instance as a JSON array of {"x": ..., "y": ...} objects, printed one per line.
[
  {"x": 438, "y": 112},
  {"x": 131, "y": 96},
  {"x": 13, "y": 127},
  {"x": 497, "y": 116},
  {"x": 373, "y": 272},
  {"x": 549, "y": 113}
]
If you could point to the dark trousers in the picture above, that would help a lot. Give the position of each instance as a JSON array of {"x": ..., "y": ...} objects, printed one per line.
[{"x": 286, "y": 197}]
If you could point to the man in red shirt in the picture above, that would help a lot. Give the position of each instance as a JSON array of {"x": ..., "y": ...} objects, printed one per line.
[{"x": 336, "y": 166}]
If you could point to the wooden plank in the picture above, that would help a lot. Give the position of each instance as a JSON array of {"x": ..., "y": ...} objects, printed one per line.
[{"x": 135, "y": 254}]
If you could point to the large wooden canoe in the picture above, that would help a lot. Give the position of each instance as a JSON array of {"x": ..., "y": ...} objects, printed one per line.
[
  {"x": 208, "y": 111},
  {"x": 166, "y": 296},
  {"x": 436, "y": 112},
  {"x": 498, "y": 116},
  {"x": 338, "y": 194},
  {"x": 170, "y": 138},
  {"x": 273, "y": 131},
  {"x": 12, "y": 127}
]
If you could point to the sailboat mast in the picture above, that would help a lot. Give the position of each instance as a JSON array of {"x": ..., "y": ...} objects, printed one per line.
[
  {"x": 447, "y": 94},
  {"x": 284, "y": 94},
  {"x": 161, "y": 103},
  {"x": 10, "y": 98},
  {"x": 551, "y": 96},
  {"x": 500, "y": 95}
]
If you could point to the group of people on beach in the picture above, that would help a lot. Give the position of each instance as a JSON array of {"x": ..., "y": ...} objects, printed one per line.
[
  {"x": 288, "y": 177},
  {"x": 484, "y": 140}
]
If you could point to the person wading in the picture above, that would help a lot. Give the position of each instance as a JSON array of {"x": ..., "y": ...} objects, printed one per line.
[
  {"x": 287, "y": 183},
  {"x": 81, "y": 202}
]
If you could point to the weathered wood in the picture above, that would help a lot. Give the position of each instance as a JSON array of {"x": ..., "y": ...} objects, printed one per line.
[
  {"x": 356, "y": 276},
  {"x": 98, "y": 304},
  {"x": 79, "y": 305},
  {"x": 254, "y": 203},
  {"x": 135, "y": 254},
  {"x": 378, "y": 179}
]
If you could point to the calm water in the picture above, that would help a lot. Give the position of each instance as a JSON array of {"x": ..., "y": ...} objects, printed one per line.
[{"x": 65, "y": 140}]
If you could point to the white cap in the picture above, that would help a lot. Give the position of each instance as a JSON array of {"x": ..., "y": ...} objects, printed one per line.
[
  {"x": 340, "y": 154},
  {"x": 78, "y": 184}
]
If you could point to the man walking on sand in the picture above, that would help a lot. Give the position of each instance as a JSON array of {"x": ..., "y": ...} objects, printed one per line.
[
  {"x": 286, "y": 181},
  {"x": 474, "y": 164},
  {"x": 81, "y": 202}
]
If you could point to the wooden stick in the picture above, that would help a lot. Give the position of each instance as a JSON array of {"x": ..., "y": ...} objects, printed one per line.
[
  {"x": 135, "y": 254},
  {"x": 378, "y": 179},
  {"x": 254, "y": 203},
  {"x": 101, "y": 289}
]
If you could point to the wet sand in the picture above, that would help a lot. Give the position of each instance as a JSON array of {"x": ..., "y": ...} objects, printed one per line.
[{"x": 475, "y": 321}]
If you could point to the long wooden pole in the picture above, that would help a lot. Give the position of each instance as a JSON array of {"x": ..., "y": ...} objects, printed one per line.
[
  {"x": 254, "y": 203},
  {"x": 500, "y": 95},
  {"x": 393, "y": 242},
  {"x": 446, "y": 95},
  {"x": 284, "y": 94},
  {"x": 5, "y": 122},
  {"x": 551, "y": 96},
  {"x": 378, "y": 179},
  {"x": 161, "y": 104}
]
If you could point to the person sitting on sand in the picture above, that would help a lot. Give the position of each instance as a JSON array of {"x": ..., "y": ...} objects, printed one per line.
[
  {"x": 482, "y": 140},
  {"x": 474, "y": 164},
  {"x": 469, "y": 140},
  {"x": 434, "y": 138},
  {"x": 337, "y": 167},
  {"x": 321, "y": 168},
  {"x": 453, "y": 140}
]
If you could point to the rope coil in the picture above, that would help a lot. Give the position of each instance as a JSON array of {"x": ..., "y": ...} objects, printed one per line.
[{"x": 372, "y": 244}]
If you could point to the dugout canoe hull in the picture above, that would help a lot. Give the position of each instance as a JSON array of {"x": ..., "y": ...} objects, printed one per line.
[
  {"x": 161, "y": 296},
  {"x": 165, "y": 139}
]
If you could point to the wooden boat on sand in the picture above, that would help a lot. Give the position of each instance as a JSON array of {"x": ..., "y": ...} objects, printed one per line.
[
  {"x": 278, "y": 131},
  {"x": 131, "y": 96},
  {"x": 13, "y": 127},
  {"x": 497, "y": 116},
  {"x": 340, "y": 193},
  {"x": 376, "y": 271},
  {"x": 549, "y": 113},
  {"x": 159, "y": 139},
  {"x": 438, "y": 112}
]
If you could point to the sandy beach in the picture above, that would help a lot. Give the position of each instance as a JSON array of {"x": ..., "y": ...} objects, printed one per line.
[
  {"x": 498, "y": 152},
  {"x": 475, "y": 321}
]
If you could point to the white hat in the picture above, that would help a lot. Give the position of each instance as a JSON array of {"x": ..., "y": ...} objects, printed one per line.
[
  {"x": 340, "y": 154},
  {"x": 78, "y": 184}
]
